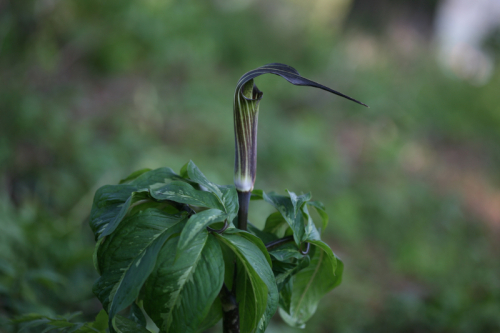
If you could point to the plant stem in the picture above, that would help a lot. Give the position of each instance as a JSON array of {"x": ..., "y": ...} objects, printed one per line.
[
  {"x": 279, "y": 242},
  {"x": 231, "y": 315},
  {"x": 230, "y": 308},
  {"x": 244, "y": 201}
]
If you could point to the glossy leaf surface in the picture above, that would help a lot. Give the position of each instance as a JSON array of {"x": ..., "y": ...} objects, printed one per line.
[
  {"x": 310, "y": 284},
  {"x": 180, "y": 292},
  {"x": 182, "y": 192},
  {"x": 285, "y": 206},
  {"x": 251, "y": 292},
  {"x": 124, "y": 269},
  {"x": 256, "y": 293},
  {"x": 198, "y": 223}
]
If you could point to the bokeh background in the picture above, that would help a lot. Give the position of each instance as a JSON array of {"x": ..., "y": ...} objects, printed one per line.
[{"x": 92, "y": 90}]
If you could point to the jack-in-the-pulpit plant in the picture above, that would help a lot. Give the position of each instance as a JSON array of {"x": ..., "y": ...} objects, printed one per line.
[{"x": 176, "y": 252}]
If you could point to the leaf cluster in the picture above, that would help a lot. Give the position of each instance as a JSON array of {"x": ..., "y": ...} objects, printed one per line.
[
  {"x": 166, "y": 245},
  {"x": 64, "y": 323}
]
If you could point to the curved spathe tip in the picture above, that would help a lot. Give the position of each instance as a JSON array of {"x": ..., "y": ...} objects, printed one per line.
[{"x": 291, "y": 75}]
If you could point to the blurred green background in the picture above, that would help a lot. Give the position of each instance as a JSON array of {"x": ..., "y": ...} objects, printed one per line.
[{"x": 92, "y": 90}]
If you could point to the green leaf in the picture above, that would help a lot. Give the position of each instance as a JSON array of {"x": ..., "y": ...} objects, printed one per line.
[
  {"x": 321, "y": 211},
  {"x": 113, "y": 223},
  {"x": 251, "y": 289},
  {"x": 34, "y": 323},
  {"x": 133, "y": 176},
  {"x": 101, "y": 321},
  {"x": 311, "y": 233},
  {"x": 198, "y": 177},
  {"x": 165, "y": 206},
  {"x": 266, "y": 237},
  {"x": 182, "y": 192},
  {"x": 285, "y": 206},
  {"x": 138, "y": 271},
  {"x": 136, "y": 315},
  {"x": 230, "y": 200},
  {"x": 179, "y": 293},
  {"x": 157, "y": 176},
  {"x": 230, "y": 261},
  {"x": 128, "y": 256},
  {"x": 283, "y": 272},
  {"x": 226, "y": 195},
  {"x": 254, "y": 280},
  {"x": 286, "y": 296},
  {"x": 108, "y": 202},
  {"x": 60, "y": 323},
  {"x": 27, "y": 317},
  {"x": 196, "y": 224},
  {"x": 125, "y": 325},
  {"x": 311, "y": 284},
  {"x": 257, "y": 195},
  {"x": 285, "y": 252},
  {"x": 213, "y": 316},
  {"x": 298, "y": 201},
  {"x": 183, "y": 171},
  {"x": 276, "y": 224}
]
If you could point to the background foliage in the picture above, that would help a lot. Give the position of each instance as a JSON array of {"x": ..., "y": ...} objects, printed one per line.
[{"x": 411, "y": 184}]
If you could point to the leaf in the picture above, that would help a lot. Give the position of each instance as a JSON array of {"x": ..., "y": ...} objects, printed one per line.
[
  {"x": 226, "y": 195},
  {"x": 113, "y": 223},
  {"x": 138, "y": 271},
  {"x": 27, "y": 317},
  {"x": 183, "y": 172},
  {"x": 133, "y": 176},
  {"x": 129, "y": 255},
  {"x": 285, "y": 252},
  {"x": 101, "y": 321},
  {"x": 257, "y": 195},
  {"x": 321, "y": 211},
  {"x": 230, "y": 261},
  {"x": 251, "y": 290},
  {"x": 311, "y": 284},
  {"x": 165, "y": 206},
  {"x": 196, "y": 224},
  {"x": 285, "y": 206},
  {"x": 157, "y": 176},
  {"x": 276, "y": 224},
  {"x": 283, "y": 272},
  {"x": 60, "y": 323},
  {"x": 196, "y": 176},
  {"x": 254, "y": 276},
  {"x": 108, "y": 202},
  {"x": 298, "y": 201},
  {"x": 230, "y": 200},
  {"x": 286, "y": 296},
  {"x": 182, "y": 192},
  {"x": 136, "y": 315},
  {"x": 311, "y": 233},
  {"x": 213, "y": 316},
  {"x": 34, "y": 323},
  {"x": 125, "y": 325},
  {"x": 266, "y": 237},
  {"x": 179, "y": 293}
]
